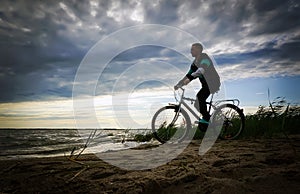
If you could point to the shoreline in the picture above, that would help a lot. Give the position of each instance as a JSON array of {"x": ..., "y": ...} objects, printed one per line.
[{"x": 238, "y": 166}]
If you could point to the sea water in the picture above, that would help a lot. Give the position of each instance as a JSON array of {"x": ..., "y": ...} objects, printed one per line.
[{"x": 28, "y": 143}]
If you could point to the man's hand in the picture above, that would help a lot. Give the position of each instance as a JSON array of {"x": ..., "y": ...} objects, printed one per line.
[{"x": 182, "y": 83}]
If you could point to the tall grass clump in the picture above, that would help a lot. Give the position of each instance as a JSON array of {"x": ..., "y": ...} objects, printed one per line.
[{"x": 276, "y": 119}]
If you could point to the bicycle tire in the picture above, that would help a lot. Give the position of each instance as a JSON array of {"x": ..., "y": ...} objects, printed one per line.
[
  {"x": 163, "y": 132},
  {"x": 233, "y": 120}
]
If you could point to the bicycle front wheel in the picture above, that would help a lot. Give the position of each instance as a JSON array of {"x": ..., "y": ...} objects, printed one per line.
[
  {"x": 169, "y": 124},
  {"x": 232, "y": 120}
]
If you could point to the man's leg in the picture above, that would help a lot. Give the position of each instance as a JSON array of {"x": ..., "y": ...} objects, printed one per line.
[{"x": 202, "y": 96}]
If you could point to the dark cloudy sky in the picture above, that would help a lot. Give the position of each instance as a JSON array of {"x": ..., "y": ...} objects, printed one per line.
[{"x": 255, "y": 44}]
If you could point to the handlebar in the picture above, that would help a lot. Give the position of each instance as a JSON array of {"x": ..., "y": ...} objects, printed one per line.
[{"x": 181, "y": 94}]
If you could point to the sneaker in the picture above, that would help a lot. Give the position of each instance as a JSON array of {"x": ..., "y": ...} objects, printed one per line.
[
  {"x": 203, "y": 125},
  {"x": 203, "y": 121}
]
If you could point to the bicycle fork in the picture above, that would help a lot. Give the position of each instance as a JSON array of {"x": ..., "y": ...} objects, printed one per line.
[{"x": 177, "y": 110}]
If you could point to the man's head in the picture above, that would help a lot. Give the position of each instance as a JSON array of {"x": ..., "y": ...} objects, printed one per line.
[{"x": 196, "y": 49}]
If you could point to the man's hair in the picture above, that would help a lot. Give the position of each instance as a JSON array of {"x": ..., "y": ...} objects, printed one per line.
[{"x": 199, "y": 46}]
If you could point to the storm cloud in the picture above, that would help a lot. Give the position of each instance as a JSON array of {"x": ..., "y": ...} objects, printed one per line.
[{"x": 43, "y": 42}]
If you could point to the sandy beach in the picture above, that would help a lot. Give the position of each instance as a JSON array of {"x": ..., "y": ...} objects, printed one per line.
[{"x": 239, "y": 166}]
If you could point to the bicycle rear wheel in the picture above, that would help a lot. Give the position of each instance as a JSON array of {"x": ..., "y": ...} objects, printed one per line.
[
  {"x": 233, "y": 121},
  {"x": 169, "y": 124}
]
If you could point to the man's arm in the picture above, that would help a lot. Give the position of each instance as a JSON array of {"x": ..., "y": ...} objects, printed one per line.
[
  {"x": 184, "y": 81},
  {"x": 200, "y": 71}
]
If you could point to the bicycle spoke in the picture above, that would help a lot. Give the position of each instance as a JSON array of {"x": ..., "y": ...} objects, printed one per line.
[{"x": 233, "y": 121}]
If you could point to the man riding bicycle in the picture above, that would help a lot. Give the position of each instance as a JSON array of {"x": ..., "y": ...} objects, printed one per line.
[{"x": 202, "y": 68}]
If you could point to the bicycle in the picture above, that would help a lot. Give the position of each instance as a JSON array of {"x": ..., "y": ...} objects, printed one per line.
[{"x": 172, "y": 123}]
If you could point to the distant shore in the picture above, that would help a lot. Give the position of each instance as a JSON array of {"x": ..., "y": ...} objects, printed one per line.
[{"x": 239, "y": 166}]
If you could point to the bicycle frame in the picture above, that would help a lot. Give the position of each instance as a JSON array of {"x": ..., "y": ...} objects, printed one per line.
[
  {"x": 196, "y": 115},
  {"x": 182, "y": 102}
]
